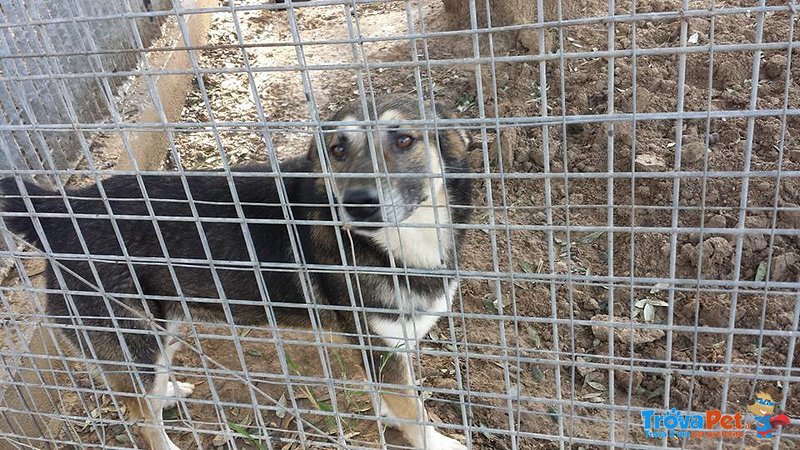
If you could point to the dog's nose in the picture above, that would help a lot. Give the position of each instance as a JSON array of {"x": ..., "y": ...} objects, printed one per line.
[{"x": 362, "y": 205}]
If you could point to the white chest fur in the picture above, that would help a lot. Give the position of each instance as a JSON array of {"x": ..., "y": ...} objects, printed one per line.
[
  {"x": 424, "y": 238},
  {"x": 405, "y": 332}
]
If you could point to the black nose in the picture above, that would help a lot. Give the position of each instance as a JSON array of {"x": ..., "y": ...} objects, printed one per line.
[{"x": 362, "y": 205}]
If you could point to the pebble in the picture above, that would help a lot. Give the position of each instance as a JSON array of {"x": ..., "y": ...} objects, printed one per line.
[
  {"x": 775, "y": 67},
  {"x": 730, "y": 137},
  {"x": 650, "y": 163},
  {"x": 692, "y": 152},
  {"x": 591, "y": 304},
  {"x": 716, "y": 221},
  {"x": 537, "y": 155},
  {"x": 220, "y": 440},
  {"x": 790, "y": 216},
  {"x": 765, "y": 186},
  {"x": 786, "y": 267},
  {"x": 625, "y": 377}
]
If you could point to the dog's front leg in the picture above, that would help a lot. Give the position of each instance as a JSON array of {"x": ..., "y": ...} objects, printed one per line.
[
  {"x": 162, "y": 393},
  {"x": 147, "y": 412},
  {"x": 401, "y": 402}
]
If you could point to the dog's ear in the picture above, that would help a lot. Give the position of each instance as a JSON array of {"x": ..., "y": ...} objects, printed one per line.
[
  {"x": 458, "y": 139},
  {"x": 312, "y": 154}
]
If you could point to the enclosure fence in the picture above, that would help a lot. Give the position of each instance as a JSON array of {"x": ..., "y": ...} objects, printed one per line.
[{"x": 632, "y": 251}]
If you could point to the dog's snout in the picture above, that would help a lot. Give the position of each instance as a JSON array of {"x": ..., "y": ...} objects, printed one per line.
[{"x": 362, "y": 204}]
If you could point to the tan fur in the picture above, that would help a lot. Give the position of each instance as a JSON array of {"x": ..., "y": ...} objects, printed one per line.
[
  {"x": 141, "y": 415},
  {"x": 390, "y": 116},
  {"x": 405, "y": 406},
  {"x": 138, "y": 409}
]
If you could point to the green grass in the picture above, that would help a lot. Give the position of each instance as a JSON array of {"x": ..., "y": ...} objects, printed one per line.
[{"x": 248, "y": 437}]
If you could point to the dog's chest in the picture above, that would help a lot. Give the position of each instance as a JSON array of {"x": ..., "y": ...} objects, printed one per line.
[
  {"x": 417, "y": 316},
  {"x": 427, "y": 244},
  {"x": 417, "y": 247}
]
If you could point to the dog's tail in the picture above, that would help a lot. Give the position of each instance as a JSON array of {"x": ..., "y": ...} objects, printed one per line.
[{"x": 12, "y": 201}]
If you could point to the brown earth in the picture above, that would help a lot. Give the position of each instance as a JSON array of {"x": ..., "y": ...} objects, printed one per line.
[{"x": 683, "y": 356}]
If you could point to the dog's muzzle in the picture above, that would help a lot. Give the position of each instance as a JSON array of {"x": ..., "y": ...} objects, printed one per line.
[{"x": 362, "y": 205}]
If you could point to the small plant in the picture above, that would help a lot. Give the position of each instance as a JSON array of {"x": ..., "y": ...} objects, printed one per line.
[
  {"x": 348, "y": 394},
  {"x": 316, "y": 402},
  {"x": 494, "y": 304},
  {"x": 245, "y": 434},
  {"x": 465, "y": 102},
  {"x": 385, "y": 358},
  {"x": 537, "y": 92}
]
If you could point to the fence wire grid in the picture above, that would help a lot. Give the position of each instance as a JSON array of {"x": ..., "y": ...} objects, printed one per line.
[{"x": 632, "y": 251}]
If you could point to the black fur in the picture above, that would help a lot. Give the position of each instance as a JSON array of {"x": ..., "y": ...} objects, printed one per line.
[{"x": 211, "y": 195}]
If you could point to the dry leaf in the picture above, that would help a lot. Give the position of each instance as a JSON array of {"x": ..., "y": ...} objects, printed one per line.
[
  {"x": 281, "y": 411},
  {"x": 649, "y": 312}
]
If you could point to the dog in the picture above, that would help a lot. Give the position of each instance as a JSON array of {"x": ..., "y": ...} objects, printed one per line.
[{"x": 129, "y": 267}]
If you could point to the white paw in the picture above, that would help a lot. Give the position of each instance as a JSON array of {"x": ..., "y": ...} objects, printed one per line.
[
  {"x": 177, "y": 390},
  {"x": 437, "y": 441},
  {"x": 172, "y": 445},
  {"x": 160, "y": 441}
]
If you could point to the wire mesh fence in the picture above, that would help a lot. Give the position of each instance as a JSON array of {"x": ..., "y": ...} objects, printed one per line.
[{"x": 400, "y": 224}]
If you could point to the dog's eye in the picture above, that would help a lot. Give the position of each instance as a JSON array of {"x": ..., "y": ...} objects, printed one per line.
[
  {"x": 404, "y": 141},
  {"x": 338, "y": 151}
]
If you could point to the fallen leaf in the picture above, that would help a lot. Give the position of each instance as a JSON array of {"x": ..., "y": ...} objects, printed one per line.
[
  {"x": 591, "y": 237},
  {"x": 596, "y": 385},
  {"x": 220, "y": 440},
  {"x": 281, "y": 411},
  {"x": 534, "y": 337},
  {"x": 538, "y": 375},
  {"x": 657, "y": 392},
  {"x": 761, "y": 272},
  {"x": 552, "y": 413},
  {"x": 640, "y": 303},
  {"x": 526, "y": 266},
  {"x": 658, "y": 287},
  {"x": 649, "y": 312}
]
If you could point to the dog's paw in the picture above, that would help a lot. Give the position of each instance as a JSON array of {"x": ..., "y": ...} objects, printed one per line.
[
  {"x": 177, "y": 390},
  {"x": 442, "y": 442},
  {"x": 437, "y": 441}
]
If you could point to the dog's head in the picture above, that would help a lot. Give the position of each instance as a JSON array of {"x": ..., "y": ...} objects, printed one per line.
[{"x": 385, "y": 168}]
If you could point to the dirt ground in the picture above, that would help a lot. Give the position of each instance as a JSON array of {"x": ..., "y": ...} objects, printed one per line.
[{"x": 684, "y": 365}]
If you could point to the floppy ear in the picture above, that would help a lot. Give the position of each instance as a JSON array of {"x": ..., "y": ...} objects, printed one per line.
[{"x": 312, "y": 154}]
